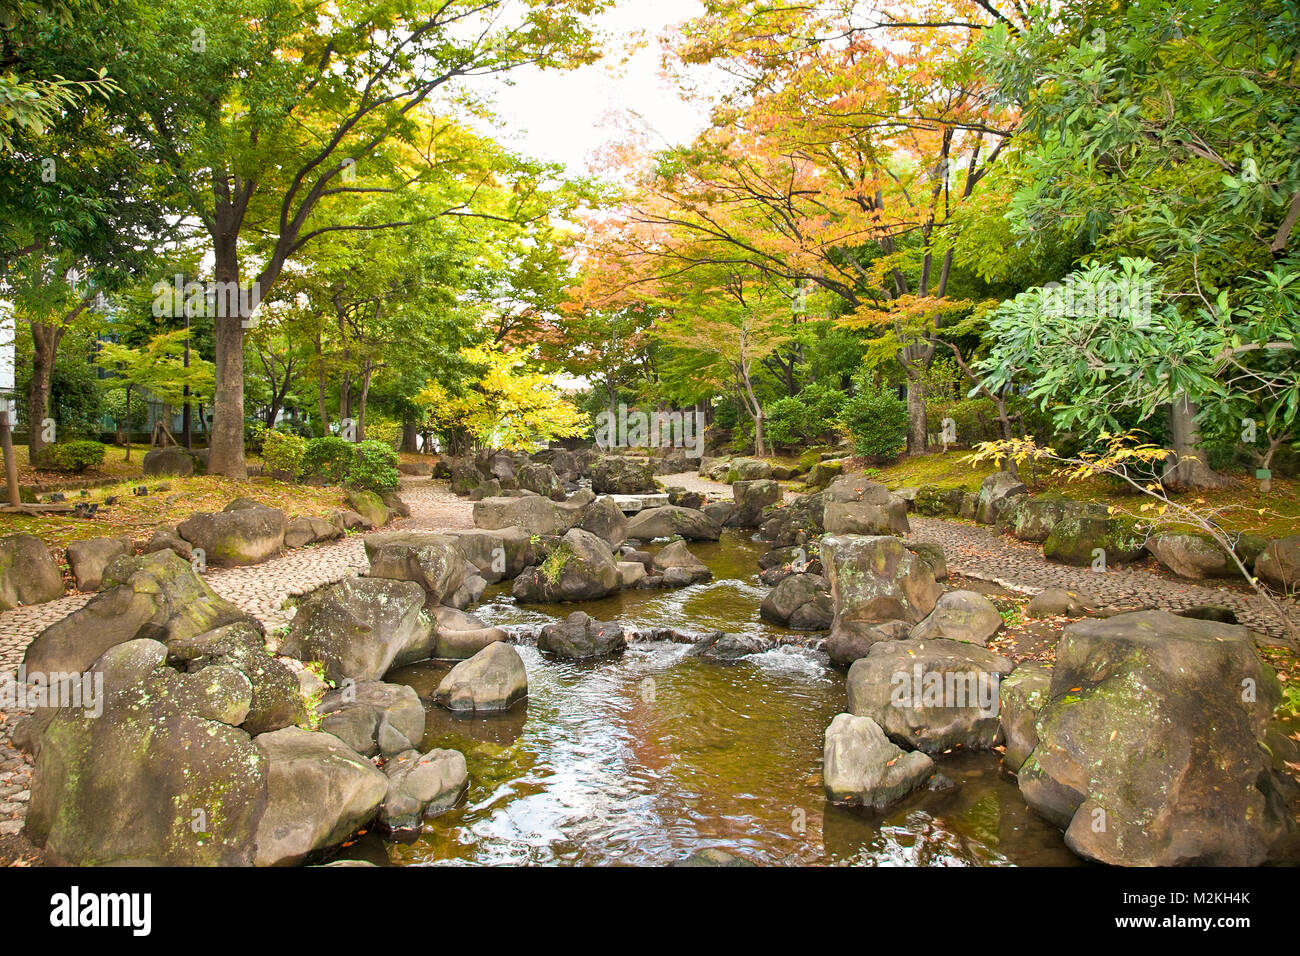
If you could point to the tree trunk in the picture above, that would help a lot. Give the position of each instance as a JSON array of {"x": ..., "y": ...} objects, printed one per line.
[
  {"x": 409, "y": 434},
  {"x": 1188, "y": 469},
  {"x": 361, "y": 403},
  {"x": 226, "y": 438},
  {"x": 45, "y": 347},
  {"x": 916, "y": 424}
]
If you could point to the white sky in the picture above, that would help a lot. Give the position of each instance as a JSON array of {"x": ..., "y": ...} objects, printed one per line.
[{"x": 567, "y": 116}]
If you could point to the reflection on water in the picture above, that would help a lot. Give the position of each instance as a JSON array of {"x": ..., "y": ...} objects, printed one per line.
[{"x": 646, "y": 758}]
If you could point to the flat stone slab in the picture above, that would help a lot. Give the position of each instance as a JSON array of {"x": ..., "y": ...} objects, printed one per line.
[{"x": 631, "y": 504}]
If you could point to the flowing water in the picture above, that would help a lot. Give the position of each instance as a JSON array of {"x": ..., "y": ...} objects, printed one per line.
[{"x": 645, "y": 758}]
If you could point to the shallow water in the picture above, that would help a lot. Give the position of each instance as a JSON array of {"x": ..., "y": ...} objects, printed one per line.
[{"x": 646, "y": 758}]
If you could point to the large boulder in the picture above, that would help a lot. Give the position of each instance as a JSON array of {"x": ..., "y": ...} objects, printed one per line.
[
  {"x": 997, "y": 491},
  {"x": 933, "y": 500},
  {"x": 464, "y": 476},
  {"x": 862, "y": 767},
  {"x": 232, "y": 538},
  {"x": 421, "y": 786},
  {"x": 822, "y": 473},
  {"x": 159, "y": 776},
  {"x": 748, "y": 469},
  {"x": 750, "y": 498},
  {"x": 171, "y": 460},
  {"x": 677, "y": 557},
  {"x": 28, "y": 574},
  {"x": 858, "y": 505},
  {"x": 582, "y": 568},
  {"x": 1192, "y": 555},
  {"x": 1036, "y": 517},
  {"x": 960, "y": 616},
  {"x": 539, "y": 479},
  {"x": 369, "y": 505},
  {"x": 1279, "y": 563},
  {"x": 801, "y": 602},
  {"x": 360, "y": 628},
  {"x": 492, "y": 680},
  {"x": 580, "y": 637},
  {"x": 605, "y": 520},
  {"x": 1060, "y": 602},
  {"x": 307, "y": 529},
  {"x": 533, "y": 513},
  {"x": 1020, "y": 697},
  {"x": 930, "y": 695},
  {"x": 669, "y": 520},
  {"x": 1151, "y": 745},
  {"x": 874, "y": 579},
  {"x": 431, "y": 561},
  {"x": 319, "y": 793},
  {"x": 278, "y": 700},
  {"x": 795, "y": 524},
  {"x": 622, "y": 475},
  {"x": 156, "y": 596},
  {"x": 1085, "y": 540},
  {"x": 88, "y": 559},
  {"x": 373, "y": 717}
]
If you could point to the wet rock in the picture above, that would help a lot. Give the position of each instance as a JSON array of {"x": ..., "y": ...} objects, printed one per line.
[
  {"x": 750, "y": 498},
  {"x": 713, "y": 856},
  {"x": 930, "y": 695},
  {"x": 246, "y": 535},
  {"x": 724, "y": 648},
  {"x": 874, "y": 579},
  {"x": 360, "y": 628},
  {"x": 1149, "y": 747},
  {"x": 677, "y": 556},
  {"x": 156, "y": 596},
  {"x": 605, "y": 520},
  {"x": 319, "y": 793},
  {"x": 582, "y": 568},
  {"x": 421, "y": 787},
  {"x": 28, "y": 574},
  {"x": 800, "y": 602},
  {"x": 373, "y": 717},
  {"x": 960, "y": 616},
  {"x": 669, "y": 520},
  {"x": 861, "y": 767},
  {"x": 1021, "y": 696},
  {"x": 580, "y": 637},
  {"x": 492, "y": 680},
  {"x": 90, "y": 557},
  {"x": 631, "y": 573}
]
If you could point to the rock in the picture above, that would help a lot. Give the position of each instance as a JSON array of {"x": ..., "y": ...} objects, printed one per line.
[
  {"x": 579, "y": 637},
  {"x": 718, "y": 511},
  {"x": 1150, "y": 746},
  {"x": 156, "y": 778},
  {"x": 421, "y": 787},
  {"x": 622, "y": 475},
  {"x": 724, "y": 648},
  {"x": 489, "y": 488},
  {"x": 369, "y": 505},
  {"x": 669, "y": 520},
  {"x": 431, "y": 561},
  {"x": 630, "y": 572},
  {"x": 1036, "y": 517},
  {"x": 463, "y": 643},
  {"x": 360, "y": 628},
  {"x": 277, "y": 699},
  {"x": 858, "y": 505},
  {"x": 1279, "y": 563},
  {"x": 395, "y": 505},
  {"x": 930, "y": 695},
  {"x": 676, "y": 556},
  {"x": 969, "y": 505},
  {"x": 1082, "y": 541},
  {"x": 540, "y": 479},
  {"x": 171, "y": 460},
  {"x": 605, "y": 520},
  {"x": 464, "y": 477},
  {"x": 931, "y": 556},
  {"x": 416, "y": 469},
  {"x": 349, "y": 520},
  {"x": 302, "y": 531},
  {"x": 1058, "y": 602},
  {"x": 748, "y": 469},
  {"x": 156, "y": 596},
  {"x": 247, "y": 535},
  {"x": 960, "y": 616},
  {"x": 533, "y": 513},
  {"x": 582, "y": 568},
  {"x": 1210, "y": 612},
  {"x": 90, "y": 557},
  {"x": 165, "y": 539},
  {"x": 797, "y": 523},
  {"x": 319, "y": 793},
  {"x": 28, "y": 574},
  {"x": 1192, "y": 555},
  {"x": 1021, "y": 696},
  {"x": 713, "y": 856},
  {"x": 492, "y": 680},
  {"x": 801, "y": 602},
  {"x": 845, "y": 647},
  {"x": 685, "y": 499},
  {"x": 861, "y": 767},
  {"x": 874, "y": 579},
  {"x": 995, "y": 493},
  {"x": 932, "y": 500},
  {"x": 750, "y": 498},
  {"x": 823, "y": 473},
  {"x": 373, "y": 717}
]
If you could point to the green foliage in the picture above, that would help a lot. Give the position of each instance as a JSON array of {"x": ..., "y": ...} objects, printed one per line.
[
  {"x": 807, "y": 417},
  {"x": 975, "y": 419},
  {"x": 74, "y": 456},
  {"x": 385, "y": 431},
  {"x": 282, "y": 452},
  {"x": 877, "y": 420},
  {"x": 328, "y": 458},
  {"x": 373, "y": 467},
  {"x": 114, "y": 405}
]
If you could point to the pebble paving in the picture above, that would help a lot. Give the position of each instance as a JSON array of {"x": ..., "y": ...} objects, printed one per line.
[{"x": 265, "y": 590}]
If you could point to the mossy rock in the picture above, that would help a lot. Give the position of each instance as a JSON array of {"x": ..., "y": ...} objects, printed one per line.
[{"x": 1077, "y": 540}]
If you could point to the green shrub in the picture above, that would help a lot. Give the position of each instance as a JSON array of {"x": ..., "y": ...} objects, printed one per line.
[
  {"x": 284, "y": 453},
  {"x": 115, "y": 407},
  {"x": 806, "y": 417},
  {"x": 374, "y": 467},
  {"x": 877, "y": 420},
  {"x": 75, "y": 456},
  {"x": 254, "y": 435},
  {"x": 329, "y": 458},
  {"x": 974, "y": 419}
]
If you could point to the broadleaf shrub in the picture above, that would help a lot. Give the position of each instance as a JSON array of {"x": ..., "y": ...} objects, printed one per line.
[
  {"x": 75, "y": 456},
  {"x": 284, "y": 453},
  {"x": 877, "y": 420},
  {"x": 329, "y": 459},
  {"x": 374, "y": 467}
]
